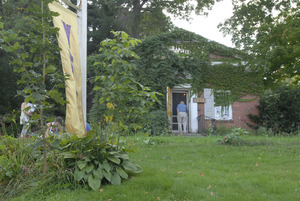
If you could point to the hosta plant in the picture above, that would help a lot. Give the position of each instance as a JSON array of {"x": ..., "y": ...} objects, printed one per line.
[{"x": 97, "y": 158}]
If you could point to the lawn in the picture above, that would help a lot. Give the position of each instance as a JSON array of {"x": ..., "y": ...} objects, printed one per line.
[{"x": 196, "y": 168}]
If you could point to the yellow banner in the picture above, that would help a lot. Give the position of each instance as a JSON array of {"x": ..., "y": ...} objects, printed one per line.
[
  {"x": 68, "y": 41},
  {"x": 169, "y": 108}
]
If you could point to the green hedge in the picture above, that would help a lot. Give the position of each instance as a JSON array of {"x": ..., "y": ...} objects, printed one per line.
[{"x": 279, "y": 110}]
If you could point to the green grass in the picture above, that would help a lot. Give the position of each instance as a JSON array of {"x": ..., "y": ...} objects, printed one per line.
[{"x": 196, "y": 168}]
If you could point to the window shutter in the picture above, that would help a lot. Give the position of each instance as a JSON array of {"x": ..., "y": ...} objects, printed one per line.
[{"x": 169, "y": 107}]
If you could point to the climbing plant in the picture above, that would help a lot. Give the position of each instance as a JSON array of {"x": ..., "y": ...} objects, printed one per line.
[{"x": 180, "y": 56}]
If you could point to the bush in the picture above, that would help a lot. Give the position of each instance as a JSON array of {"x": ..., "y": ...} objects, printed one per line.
[
  {"x": 157, "y": 123},
  {"x": 279, "y": 110},
  {"x": 99, "y": 158},
  {"x": 233, "y": 136},
  {"x": 18, "y": 166},
  {"x": 221, "y": 130},
  {"x": 263, "y": 131}
]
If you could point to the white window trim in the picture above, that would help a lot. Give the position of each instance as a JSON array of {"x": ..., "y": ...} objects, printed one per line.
[
  {"x": 220, "y": 114},
  {"x": 212, "y": 111}
]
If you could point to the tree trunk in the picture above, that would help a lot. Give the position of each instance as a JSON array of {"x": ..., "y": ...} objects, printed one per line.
[{"x": 136, "y": 14}]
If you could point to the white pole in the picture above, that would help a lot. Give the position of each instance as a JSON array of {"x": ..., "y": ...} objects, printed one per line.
[{"x": 82, "y": 32}]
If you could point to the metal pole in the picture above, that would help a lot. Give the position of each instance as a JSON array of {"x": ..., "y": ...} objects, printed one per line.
[{"x": 82, "y": 32}]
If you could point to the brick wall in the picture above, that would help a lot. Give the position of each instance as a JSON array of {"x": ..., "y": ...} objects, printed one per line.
[{"x": 239, "y": 113}]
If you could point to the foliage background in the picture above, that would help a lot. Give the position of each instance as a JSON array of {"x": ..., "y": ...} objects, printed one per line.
[{"x": 279, "y": 110}]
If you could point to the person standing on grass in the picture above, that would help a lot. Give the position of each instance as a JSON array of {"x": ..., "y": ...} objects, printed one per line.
[
  {"x": 182, "y": 117},
  {"x": 27, "y": 110}
]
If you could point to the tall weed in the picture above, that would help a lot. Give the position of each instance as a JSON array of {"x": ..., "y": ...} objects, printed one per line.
[{"x": 17, "y": 165}]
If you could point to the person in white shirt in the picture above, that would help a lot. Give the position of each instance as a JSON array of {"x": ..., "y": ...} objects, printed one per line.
[{"x": 27, "y": 110}]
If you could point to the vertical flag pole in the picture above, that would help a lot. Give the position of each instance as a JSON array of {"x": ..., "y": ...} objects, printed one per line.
[{"x": 82, "y": 31}]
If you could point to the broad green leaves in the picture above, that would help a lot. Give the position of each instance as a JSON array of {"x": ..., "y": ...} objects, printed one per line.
[
  {"x": 270, "y": 32},
  {"x": 96, "y": 159},
  {"x": 127, "y": 100},
  {"x": 94, "y": 182},
  {"x": 31, "y": 41},
  {"x": 132, "y": 167},
  {"x": 114, "y": 170}
]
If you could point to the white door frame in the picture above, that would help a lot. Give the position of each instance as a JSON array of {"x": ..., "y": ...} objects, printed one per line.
[{"x": 187, "y": 100}]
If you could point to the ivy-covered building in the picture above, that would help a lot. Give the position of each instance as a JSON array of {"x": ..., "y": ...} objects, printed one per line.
[
  {"x": 218, "y": 84},
  {"x": 205, "y": 112}
]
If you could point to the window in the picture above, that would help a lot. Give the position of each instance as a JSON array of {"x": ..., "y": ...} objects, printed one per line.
[
  {"x": 213, "y": 111},
  {"x": 224, "y": 113}
]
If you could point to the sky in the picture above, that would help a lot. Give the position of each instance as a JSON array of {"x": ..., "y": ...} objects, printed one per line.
[{"x": 206, "y": 26}]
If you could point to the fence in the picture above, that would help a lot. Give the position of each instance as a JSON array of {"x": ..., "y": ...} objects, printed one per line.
[{"x": 206, "y": 124}]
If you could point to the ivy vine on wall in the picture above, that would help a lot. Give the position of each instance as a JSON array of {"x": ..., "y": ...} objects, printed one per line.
[{"x": 160, "y": 66}]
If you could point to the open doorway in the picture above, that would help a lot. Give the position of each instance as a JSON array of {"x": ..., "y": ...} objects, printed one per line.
[{"x": 178, "y": 96}]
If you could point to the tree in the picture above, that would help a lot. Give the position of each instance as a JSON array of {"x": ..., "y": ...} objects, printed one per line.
[
  {"x": 138, "y": 18},
  {"x": 127, "y": 101},
  {"x": 270, "y": 32},
  {"x": 35, "y": 56},
  {"x": 15, "y": 15},
  {"x": 102, "y": 17},
  {"x": 279, "y": 110},
  {"x": 8, "y": 84},
  {"x": 10, "y": 12}
]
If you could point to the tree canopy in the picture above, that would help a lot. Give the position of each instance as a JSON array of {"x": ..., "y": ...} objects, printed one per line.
[
  {"x": 138, "y": 18},
  {"x": 32, "y": 51},
  {"x": 270, "y": 32}
]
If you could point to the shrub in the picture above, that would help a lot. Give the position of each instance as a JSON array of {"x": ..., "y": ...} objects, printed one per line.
[
  {"x": 233, "y": 136},
  {"x": 127, "y": 101},
  {"x": 157, "y": 122},
  {"x": 263, "y": 131},
  {"x": 279, "y": 110},
  {"x": 18, "y": 165},
  {"x": 220, "y": 130},
  {"x": 95, "y": 159}
]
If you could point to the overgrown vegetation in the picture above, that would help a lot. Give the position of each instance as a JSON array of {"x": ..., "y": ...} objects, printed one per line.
[
  {"x": 233, "y": 136},
  {"x": 279, "y": 110},
  {"x": 156, "y": 123},
  {"x": 97, "y": 159},
  {"x": 270, "y": 32},
  {"x": 181, "y": 57},
  {"x": 126, "y": 100},
  {"x": 174, "y": 168},
  {"x": 184, "y": 168},
  {"x": 35, "y": 56}
]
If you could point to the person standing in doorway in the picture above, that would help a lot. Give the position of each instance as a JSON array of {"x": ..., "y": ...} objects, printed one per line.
[{"x": 182, "y": 117}]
